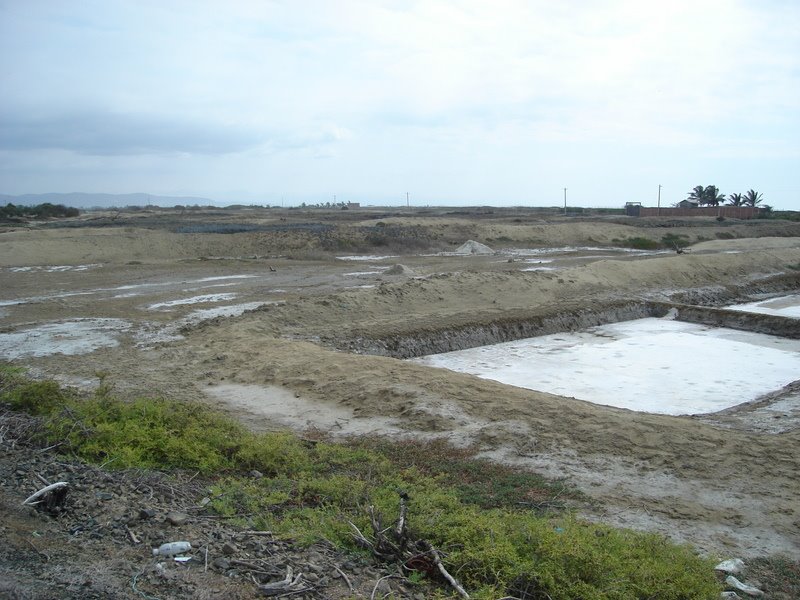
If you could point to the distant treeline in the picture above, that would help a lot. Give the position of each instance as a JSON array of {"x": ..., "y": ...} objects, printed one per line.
[{"x": 40, "y": 211}]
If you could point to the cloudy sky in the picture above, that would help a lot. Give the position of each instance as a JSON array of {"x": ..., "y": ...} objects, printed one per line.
[{"x": 502, "y": 102}]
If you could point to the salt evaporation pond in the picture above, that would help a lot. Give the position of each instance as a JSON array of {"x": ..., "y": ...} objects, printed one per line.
[
  {"x": 785, "y": 306},
  {"x": 650, "y": 365}
]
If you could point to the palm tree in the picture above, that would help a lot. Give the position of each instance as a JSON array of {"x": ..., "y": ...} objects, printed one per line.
[
  {"x": 711, "y": 196},
  {"x": 697, "y": 193},
  {"x": 735, "y": 200},
  {"x": 752, "y": 197}
]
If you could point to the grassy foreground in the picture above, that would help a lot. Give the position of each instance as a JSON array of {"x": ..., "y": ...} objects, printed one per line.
[{"x": 492, "y": 542}]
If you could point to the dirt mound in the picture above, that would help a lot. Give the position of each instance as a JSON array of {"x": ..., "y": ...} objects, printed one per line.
[
  {"x": 399, "y": 269},
  {"x": 473, "y": 247}
]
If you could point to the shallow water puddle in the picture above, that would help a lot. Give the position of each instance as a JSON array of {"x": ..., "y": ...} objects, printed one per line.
[
  {"x": 651, "y": 365},
  {"x": 206, "y": 298},
  {"x": 785, "y": 306},
  {"x": 79, "y": 336},
  {"x": 53, "y": 268}
]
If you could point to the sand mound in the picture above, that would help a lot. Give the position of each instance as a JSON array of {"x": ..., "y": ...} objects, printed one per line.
[
  {"x": 473, "y": 247},
  {"x": 400, "y": 270}
]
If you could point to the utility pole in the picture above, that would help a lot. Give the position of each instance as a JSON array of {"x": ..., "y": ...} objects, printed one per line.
[
  {"x": 408, "y": 202},
  {"x": 659, "y": 200},
  {"x": 565, "y": 201}
]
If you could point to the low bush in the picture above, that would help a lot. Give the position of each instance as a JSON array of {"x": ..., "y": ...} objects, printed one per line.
[
  {"x": 672, "y": 240},
  {"x": 637, "y": 243}
]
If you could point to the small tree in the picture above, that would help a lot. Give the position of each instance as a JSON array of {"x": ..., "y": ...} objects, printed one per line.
[
  {"x": 753, "y": 198},
  {"x": 712, "y": 197},
  {"x": 697, "y": 193},
  {"x": 735, "y": 200}
]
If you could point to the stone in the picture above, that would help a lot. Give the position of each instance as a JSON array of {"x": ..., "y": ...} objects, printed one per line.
[
  {"x": 146, "y": 513},
  {"x": 229, "y": 548},
  {"x": 751, "y": 591},
  {"x": 176, "y": 518},
  {"x": 104, "y": 496},
  {"x": 221, "y": 563},
  {"x": 732, "y": 566}
]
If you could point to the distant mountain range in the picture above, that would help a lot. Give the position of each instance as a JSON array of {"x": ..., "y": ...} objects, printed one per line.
[{"x": 82, "y": 200}]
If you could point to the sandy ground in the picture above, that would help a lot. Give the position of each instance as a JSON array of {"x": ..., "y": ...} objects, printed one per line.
[{"x": 727, "y": 483}]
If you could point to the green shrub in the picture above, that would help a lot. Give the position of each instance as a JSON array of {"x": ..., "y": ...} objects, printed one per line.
[
  {"x": 147, "y": 433},
  {"x": 35, "y": 397},
  {"x": 672, "y": 240},
  {"x": 273, "y": 454},
  {"x": 637, "y": 243}
]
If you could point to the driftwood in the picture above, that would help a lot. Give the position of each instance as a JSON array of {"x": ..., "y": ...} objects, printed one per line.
[
  {"x": 288, "y": 586},
  {"x": 394, "y": 544},
  {"x": 51, "y": 496}
]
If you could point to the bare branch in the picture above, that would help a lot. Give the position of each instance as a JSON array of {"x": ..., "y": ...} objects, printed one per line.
[{"x": 34, "y": 498}]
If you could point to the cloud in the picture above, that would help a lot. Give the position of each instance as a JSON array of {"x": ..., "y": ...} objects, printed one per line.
[{"x": 107, "y": 133}]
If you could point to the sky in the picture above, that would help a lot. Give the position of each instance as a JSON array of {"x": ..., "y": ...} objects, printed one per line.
[{"x": 501, "y": 102}]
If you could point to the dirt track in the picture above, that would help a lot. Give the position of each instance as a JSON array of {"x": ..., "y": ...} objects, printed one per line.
[{"x": 716, "y": 482}]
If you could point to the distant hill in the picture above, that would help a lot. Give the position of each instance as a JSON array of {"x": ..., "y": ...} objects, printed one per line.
[{"x": 82, "y": 200}]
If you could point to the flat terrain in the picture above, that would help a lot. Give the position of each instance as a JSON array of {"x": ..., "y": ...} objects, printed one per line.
[{"x": 152, "y": 299}]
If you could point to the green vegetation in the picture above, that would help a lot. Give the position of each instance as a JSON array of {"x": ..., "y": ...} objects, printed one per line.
[
  {"x": 40, "y": 211},
  {"x": 673, "y": 240},
  {"x": 478, "y": 515},
  {"x": 708, "y": 195},
  {"x": 637, "y": 243}
]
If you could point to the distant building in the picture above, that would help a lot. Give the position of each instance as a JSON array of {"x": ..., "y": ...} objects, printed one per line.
[
  {"x": 688, "y": 203},
  {"x": 632, "y": 209},
  {"x": 350, "y": 205}
]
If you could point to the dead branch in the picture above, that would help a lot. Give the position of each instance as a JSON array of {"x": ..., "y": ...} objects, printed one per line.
[
  {"x": 132, "y": 535},
  {"x": 377, "y": 583},
  {"x": 344, "y": 576},
  {"x": 434, "y": 554},
  {"x": 34, "y": 498},
  {"x": 359, "y": 537},
  {"x": 396, "y": 549},
  {"x": 289, "y": 585}
]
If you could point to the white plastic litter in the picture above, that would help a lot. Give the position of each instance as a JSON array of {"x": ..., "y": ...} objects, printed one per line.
[{"x": 172, "y": 548}]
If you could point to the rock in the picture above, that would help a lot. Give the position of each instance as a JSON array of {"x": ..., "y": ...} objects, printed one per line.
[
  {"x": 104, "y": 496},
  {"x": 176, "y": 518},
  {"x": 732, "y": 566},
  {"x": 743, "y": 587},
  {"x": 255, "y": 474},
  {"x": 229, "y": 548},
  {"x": 473, "y": 247},
  {"x": 311, "y": 577},
  {"x": 399, "y": 269},
  {"x": 146, "y": 513},
  {"x": 221, "y": 563}
]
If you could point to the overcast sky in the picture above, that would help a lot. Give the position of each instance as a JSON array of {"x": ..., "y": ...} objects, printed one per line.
[{"x": 498, "y": 102}]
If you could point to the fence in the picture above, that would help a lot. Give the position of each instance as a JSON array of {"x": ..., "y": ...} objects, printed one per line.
[{"x": 729, "y": 212}]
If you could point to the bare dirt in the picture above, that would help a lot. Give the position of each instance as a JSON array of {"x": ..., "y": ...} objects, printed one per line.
[{"x": 727, "y": 483}]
